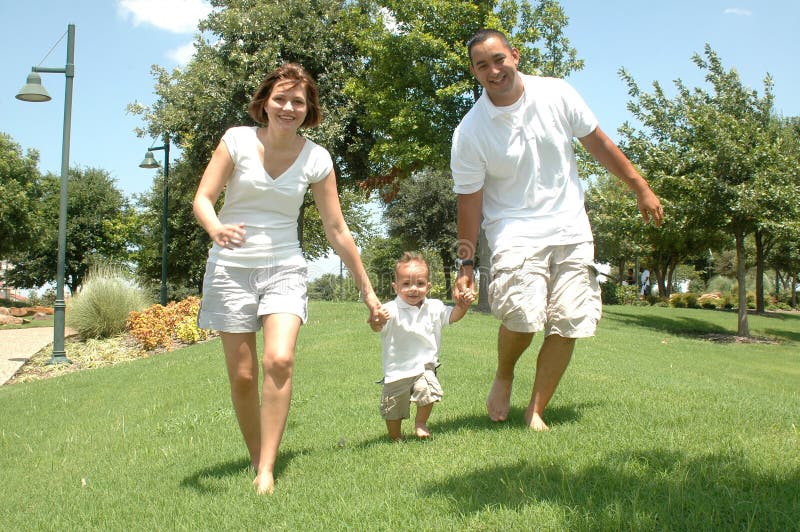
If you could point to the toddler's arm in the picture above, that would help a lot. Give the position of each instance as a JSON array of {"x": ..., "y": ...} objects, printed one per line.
[
  {"x": 377, "y": 323},
  {"x": 462, "y": 305}
]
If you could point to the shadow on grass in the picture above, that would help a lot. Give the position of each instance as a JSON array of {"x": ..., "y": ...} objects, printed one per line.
[
  {"x": 691, "y": 326},
  {"x": 652, "y": 489},
  {"x": 554, "y": 416},
  {"x": 206, "y": 480},
  {"x": 678, "y": 325}
]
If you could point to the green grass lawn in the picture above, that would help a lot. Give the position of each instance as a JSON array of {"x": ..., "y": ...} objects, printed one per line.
[{"x": 653, "y": 427}]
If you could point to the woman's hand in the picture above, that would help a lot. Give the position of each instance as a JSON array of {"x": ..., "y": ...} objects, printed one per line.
[{"x": 228, "y": 236}]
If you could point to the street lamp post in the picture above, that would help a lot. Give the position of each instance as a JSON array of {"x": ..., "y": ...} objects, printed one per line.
[
  {"x": 33, "y": 91},
  {"x": 151, "y": 162}
]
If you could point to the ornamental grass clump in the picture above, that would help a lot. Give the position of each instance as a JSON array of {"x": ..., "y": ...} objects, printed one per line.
[{"x": 107, "y": 297}]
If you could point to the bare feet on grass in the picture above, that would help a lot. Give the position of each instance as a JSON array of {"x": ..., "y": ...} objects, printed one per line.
[
  {"x": 421, "y": 431},
  {"x": 264, "y": 483},
  {"x": 499, "y": 400},
  {"x": 535, "y": 422}
]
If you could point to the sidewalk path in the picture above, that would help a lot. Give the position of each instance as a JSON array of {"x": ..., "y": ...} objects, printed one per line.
[{"x": 18, "y": 345}]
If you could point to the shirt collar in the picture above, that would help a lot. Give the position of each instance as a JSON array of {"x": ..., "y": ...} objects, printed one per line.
[
  {"x": 402, "y": 304},
  {"x": 491, "y": 109}
]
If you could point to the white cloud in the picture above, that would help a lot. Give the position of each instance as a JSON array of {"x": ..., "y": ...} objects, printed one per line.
[
  {"x": 182, "y": 55},
  {"x": 739, "y": 12},
  {"x": 177, "y": 16}
]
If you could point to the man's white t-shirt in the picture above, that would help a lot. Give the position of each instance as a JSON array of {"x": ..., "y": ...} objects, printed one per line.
[
  {"x": 412, "y": 337},
  {"x": 268, "y": 205},
  {"x": 522, "y": 157}
]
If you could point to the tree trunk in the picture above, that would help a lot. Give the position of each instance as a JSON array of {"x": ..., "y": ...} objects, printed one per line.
[
  {"x": 792, "y": 280},
  {"x": 743, "y": 328},
  {"x": 759, "y": 272},
  {"x": 447, "y": 266},
  {"x": 485, "y": 262}
]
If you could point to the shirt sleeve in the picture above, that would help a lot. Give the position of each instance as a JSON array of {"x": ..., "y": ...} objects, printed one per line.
[
  {"x": 320, "y": 164},
  {"x": 580, "y": 116},
  {"x": 229, "y": 138},
  {"x": 469, "y": 169}
]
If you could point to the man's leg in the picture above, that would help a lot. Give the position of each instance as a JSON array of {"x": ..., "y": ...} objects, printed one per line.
[
  {"x": 510, "y": 346},
  {"x": 554, "y": 356}
]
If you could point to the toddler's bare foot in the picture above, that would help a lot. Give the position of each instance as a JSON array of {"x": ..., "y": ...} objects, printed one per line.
[
  {"x": 535, "y": 422},
  {"x": 264, "y": 483},
  {"x": 421, "y": 430},
  {"x": 499, "y": 400}
]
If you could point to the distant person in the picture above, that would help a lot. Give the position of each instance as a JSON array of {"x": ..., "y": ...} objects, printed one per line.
[
  {"x": 514, "y": 168},
  {"x": 411, "y": 327},
  {"x": 630, "y": 280},
  {"x": 644, "y": 279},
  {"x": 256, "y": 275}
]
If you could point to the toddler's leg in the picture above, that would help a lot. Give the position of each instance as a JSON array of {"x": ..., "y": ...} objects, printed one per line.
[
  {"x": 420, "y": 427},
  {"x": 393, "y": 426}
]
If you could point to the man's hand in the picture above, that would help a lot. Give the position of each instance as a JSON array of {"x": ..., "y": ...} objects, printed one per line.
[
  {"x": 650, "y": 207},
  {"x": 464, "y": 290}
]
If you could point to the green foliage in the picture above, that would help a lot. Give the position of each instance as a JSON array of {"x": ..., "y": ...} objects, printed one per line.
[
  {"x": 19, "y": 196},
  {"x": 101, "y": 308},
  {"x": 332, "y": 287},
  {"x": 379, "y": 257},
  {"x": 100, "y": 224},
  {"x": 416, "y": 84}
]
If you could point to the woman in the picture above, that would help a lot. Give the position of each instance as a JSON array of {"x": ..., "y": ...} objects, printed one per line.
[{"x": 256, "y": 274}]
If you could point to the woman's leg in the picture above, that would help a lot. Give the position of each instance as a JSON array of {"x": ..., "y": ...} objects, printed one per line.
[
  {"x": 280, "y": 337},
  {"x": 242, "y": 364}
]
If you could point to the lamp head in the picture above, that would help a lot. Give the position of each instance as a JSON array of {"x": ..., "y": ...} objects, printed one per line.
[
  {"x": 33, "y": 90},
  {"x": 149, "y": 161}
]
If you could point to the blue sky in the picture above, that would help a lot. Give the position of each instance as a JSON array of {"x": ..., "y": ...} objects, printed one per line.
[{"x": 117, "y": 41}]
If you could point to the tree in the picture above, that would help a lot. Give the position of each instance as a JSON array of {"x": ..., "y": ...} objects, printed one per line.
[
  {"x": 416, "y": 85},
  {"x": 424, "y": 214},
  {"x": 19, "y": 195},
  {"x": 713, "y": 148},
  {"x": 100, "y": 224},
  {"x": 243, "y": 41}
]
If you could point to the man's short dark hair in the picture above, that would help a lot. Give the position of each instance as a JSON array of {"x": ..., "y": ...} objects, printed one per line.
[{"x": 484, "y": 34}]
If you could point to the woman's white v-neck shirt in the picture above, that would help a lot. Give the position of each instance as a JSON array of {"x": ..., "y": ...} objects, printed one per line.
[{"x": 268, "y": 207}]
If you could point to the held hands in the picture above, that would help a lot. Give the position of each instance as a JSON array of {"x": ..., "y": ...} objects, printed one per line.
[
  {"x": 465, "y": 299},
  {"x": 228, "y": 236},
  {"x": 378, "y": 319},
  {"x": 464, "y": 290}
]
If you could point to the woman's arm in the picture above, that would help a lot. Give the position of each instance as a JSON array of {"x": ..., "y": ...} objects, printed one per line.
[
  {"x": 338, "y": 234},
  {"x": 211, "y": 185}
]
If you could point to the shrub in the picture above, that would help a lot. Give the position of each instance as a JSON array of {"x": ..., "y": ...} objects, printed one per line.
[
  {"x": 609, "y": 294},
  {"x": 102, "y": 306},
  {"x": 712, "y": 300},
  {"x": 160, "y": 327},
  {"x": 676, "y": 300}
]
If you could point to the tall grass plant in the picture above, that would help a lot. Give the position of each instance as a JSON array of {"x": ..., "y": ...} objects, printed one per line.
[{"x": 107, "y": 297}]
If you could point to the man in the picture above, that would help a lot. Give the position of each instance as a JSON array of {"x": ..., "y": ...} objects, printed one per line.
[
  {"x": 513, "y": 163},
  {"x": 644, "y": 279}
]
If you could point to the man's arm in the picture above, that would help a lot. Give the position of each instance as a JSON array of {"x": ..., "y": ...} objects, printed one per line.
[
  {"x": 469, "y": 219},
  {"x": 611, "y": 157}
]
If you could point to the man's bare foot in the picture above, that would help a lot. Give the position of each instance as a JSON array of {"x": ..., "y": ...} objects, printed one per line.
[
  {"x": 535, "y": 422},
  {"x": 421, "y": 431},
  {"x": 499, "y": 400},
  {"x": 264, "y": 483}
]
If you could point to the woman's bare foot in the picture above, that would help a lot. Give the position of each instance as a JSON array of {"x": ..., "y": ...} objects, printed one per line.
[
  {"x": 264, "y": 483},
  {"x": 535, "y": 422},
  {"x": 421, "y": 431},
  {"x": 499, "y": 400}
]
